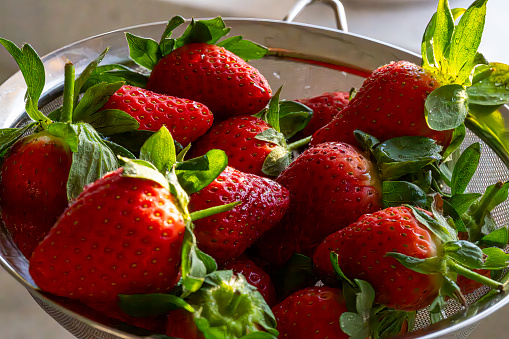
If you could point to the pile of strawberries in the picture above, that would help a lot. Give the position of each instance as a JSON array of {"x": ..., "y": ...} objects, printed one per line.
[{"x": 172, "y": 200}]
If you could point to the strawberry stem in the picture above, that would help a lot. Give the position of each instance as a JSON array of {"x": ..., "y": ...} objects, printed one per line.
[
  {"x": 299, "y": 143},
  {"x": 456, "y": 268},
  {"x": 213, "y": 210},
  {"x": 67, "y": 106},
  {"x": 480, "y": 211}
]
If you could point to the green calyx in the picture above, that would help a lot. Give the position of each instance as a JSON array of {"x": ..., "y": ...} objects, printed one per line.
[
  {"x": 286, "y": 119},
  {"x": 453, "y": 256},
  {"x": 147, "y": 52},
  {"x": 229, "y": 307}
]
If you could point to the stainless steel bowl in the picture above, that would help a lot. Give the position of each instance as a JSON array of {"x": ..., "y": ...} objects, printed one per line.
[{"x": 308, "y": 60}]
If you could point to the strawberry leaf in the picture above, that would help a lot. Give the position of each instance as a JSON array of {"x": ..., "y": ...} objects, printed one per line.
[
  {"x": 115, "y": 73},
  {"x": 294, "y": 275},
  {"x": 245, "y": 49},
  {"x": 194, "y": 180},
  {"x": 170, "y": 26},
  {"x": 148, "y": 305},
  {"x": 462, "y": 202},
  {"x": 66, "y": 131},
  {"x": 481, "y": 72},
  {"x": 293, "y": 117},
  {"x": 425, "y": 266},
  {"x": 367, "y": 141},
  {"x": 436, "y": 310},
  {"x": 85, "y": 75},
  {"x": 403, "y": 155},
  {"x": 441, "y": 229},
  {"x": 159, "y": 149},
  {"x": 493, "y": 90},
  {"x": 498, "y": 238},
  {"x": 132, "y": 141},
  {"x": 32, "y": 68},
  {"x": 273, "y": 136},
  {"x": 438, "y": 34},
  {"x": 92, "y": 160},
  {"x": 465, "y": 168},
  {"x": 141, "y": 169},
  {"x": 465, "y": 252},
  {"x": 145, "y": 52},
  {"x": 397, "y": 193},
  {"x": 119, "y": 150},
  {"x": 497, "y": 259},
  {"x": 203, "y": 31},
  {"x": 193, "y": 268},
  {"x": 93, "y": 99},
  {"x": 9, "y": 136},
  {"x": 354, "y": 325},
  {"x": 446, "y": 107},
  {"x": 112, "y": 121},
  {"x": 458, "y": 136},
  {"x": 464, "y": 43}
]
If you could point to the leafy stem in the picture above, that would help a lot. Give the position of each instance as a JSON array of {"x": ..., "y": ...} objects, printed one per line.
[{"x": 68, "y": 99}]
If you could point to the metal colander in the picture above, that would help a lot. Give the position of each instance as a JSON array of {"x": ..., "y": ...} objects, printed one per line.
[{"x": 308, "y": 60}]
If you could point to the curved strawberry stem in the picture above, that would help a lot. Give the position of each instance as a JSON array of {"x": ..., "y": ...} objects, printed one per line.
[
  {"x": 68, "y": 103},
  {"x": 299, "y": 143},
  {"x": 456, "y": 268}
]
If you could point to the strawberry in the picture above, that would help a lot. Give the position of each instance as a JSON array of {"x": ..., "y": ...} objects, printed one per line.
[
  {"x": 123, "y": 234},
  {"x": 186, "y": 119},
  {"x": 311, "y": 313},
  {"x": 237, "y": 137},
  {"x": 33, "y": 192},
  {"x": 331, "y": 185},
  {"x": 325, "y": 107},
  {"x": 390, "y": 247},
  {"x": 214, "y": 76},
  {"x": 389, "y": 104},
  {"x": 181, "y": 325},
  {"x": 226, "y": 235},
  {"x": 254, "y": 276}
]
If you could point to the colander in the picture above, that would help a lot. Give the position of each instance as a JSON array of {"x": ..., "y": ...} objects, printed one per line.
[{"x": 308, "y": 60}]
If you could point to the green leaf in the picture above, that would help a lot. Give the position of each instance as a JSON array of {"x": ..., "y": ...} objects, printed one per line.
[
  {"x": 365, "y": 298},
  {"x": 119, "y": 150},
  {"x": 32, "y": 68},
  {"x": 193, "y": 268},
  {"x": 132, "y": 141},
  {"x": 66, "y": 131},
  {"x": 145, "y": 52},
  {"x": 353, "y": 325},
  {"x": 367, "y": 141},
  {"x": 425, "y": 266},
  {"x": 197, "y": 215},
  {"x": 115, "y": 73},
  {"x": 293, "y": 117},
  {"x": 93, "y": 99},
  {"x": 446, "y": 107},
  {"x": 403, "y": 155},
  {"x": 465, "y": 168},
  {"x": 397, "y": 193},
  {"x": 441, "y": 229},
  {"x": 112, "y": 121},
  {"x": 141, "y": 169},
  {"x": 203, "y": 31},
  {"x": 497, "y": 259},
  {"x": 464, "y": 43},
  {"x": 87, "y": 72},
  {"x": 9, "y": 136},
  {"x": 443, "y": 30},
  {"x": 149, "y": 305},
  {"x": 195, "y": 180},
  {"x": 436, "y": 310},
  {"x": 170, "y": 26},
  {"x": 458, "y": 135},
  {"x": 493, "y": 90},
  {"x": 159, "y": 149},
  {"x": 179, "y": 193},
  {"x": 498, "y": 238},
  {"x": 462, "y": 202},
  {"x": 481, "y": 72},
  {"x": 244, "y": 49},
  {"x": 465, "y": 252},
  {"x": 495, "y": 195},
  {"x": 92, "y": 160},
  {"x": 272, "y": 117},
  {"x": 195, "y": 164},
  {"x": 273, "y": 136}
]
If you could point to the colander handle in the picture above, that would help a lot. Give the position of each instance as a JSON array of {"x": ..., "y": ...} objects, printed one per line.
[{"x": 336, "y": 5}]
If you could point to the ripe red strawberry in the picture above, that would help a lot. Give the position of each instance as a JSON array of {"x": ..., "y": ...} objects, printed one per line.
[
  {"x": 361, "y": 249},
  {"x": 185, "y": 119},
  {"x": 325, "y": 107},
  {"x": 236, "y": 136},
  {"x": 311, "y": 313},
  {"x": 389, "y": 104},
  {"x": 331, "y": 185},
  {"x": 181, "y": 325},
  {"x": 226, "y": 235},
  {"x": 213, "y": 76},
  {"x": 255, "y": 276},
  {"x": 121, "y": 235},
  {"x": 33, "y": 192}
]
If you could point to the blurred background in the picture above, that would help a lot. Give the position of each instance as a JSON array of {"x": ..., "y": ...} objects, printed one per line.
[{"x": 51, "y": 24}]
